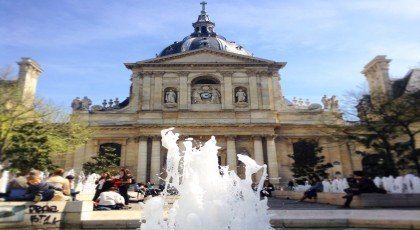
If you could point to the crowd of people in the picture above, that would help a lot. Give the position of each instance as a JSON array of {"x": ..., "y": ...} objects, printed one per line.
[
  {"x": 111, "y": 191},
  {"x": 32, "y": 187},
  {"x": 358, "y": 184}
]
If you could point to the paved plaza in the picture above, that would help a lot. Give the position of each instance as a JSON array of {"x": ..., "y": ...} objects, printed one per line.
[{"x": 286, "y": 213}]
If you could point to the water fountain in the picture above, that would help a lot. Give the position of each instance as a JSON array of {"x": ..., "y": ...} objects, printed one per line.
[
  {"x": 4, "y": 180},
  {"x": 86, "y": 185},
  {"x": 401, "y": 184},
  {"x": 210, "y": 198}
]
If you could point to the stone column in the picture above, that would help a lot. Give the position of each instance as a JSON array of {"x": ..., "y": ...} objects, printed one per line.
[
  {"x": 273, "y": 168},
  {"x": 142, "y": 160},
  {"x": 155, "y": 166},
  {"x": 258, "y": 154},
  {"x": 228, "y": 90},
  {"x": 284, "y": 167},
  {"x": 231, "y": 152},
  {"x": 346, "y": 161},
  {"x": 325, "y": 143},
  {"x": 183, "y": 90},
  {"x": 78, "y": 159}
]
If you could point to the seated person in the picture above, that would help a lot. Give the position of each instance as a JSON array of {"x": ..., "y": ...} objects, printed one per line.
[
  {"x": 39, "y": 190},
  {"x": 16, "y": 188},
  {"x": 291, "y": 185},
  {"x": 58, "y": 180},
  {"x": 363, "y": 185},
  {"x": 313, "y": 190},
  {"x": 267, "y": 189},
  {"x": 151, "y": 190},
  {"x": 110, "y": 199}
]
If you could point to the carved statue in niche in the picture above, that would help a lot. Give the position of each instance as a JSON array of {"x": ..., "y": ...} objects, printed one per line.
[
  {"x": 240, "y": 95},
  {"x": 170, "y": 96}
]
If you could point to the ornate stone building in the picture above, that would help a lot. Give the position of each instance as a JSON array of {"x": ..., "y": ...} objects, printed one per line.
[{"x": 206, "y": 85}]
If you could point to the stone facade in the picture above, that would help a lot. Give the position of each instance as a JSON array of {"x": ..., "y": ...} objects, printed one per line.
[
  {"x": 25, "y": 84},
  {"x": 234, "y": 97},
  {"x": 203, "y": 86}
]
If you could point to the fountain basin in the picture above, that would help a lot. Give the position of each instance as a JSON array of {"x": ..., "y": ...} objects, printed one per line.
[{"x": 80, "y": 215}]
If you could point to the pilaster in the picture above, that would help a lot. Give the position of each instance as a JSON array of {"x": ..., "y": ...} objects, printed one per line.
[
  {"x": 157, "y": 92},
  {"x": 253, "y": 89},
  {"x": 145, "y": 100},
  {"x": 183, "y": 90},
  {"x": 228, "y": 90}
]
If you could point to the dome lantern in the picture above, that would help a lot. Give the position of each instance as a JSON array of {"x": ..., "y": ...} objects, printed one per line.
[{"x": 204, "y": 37}]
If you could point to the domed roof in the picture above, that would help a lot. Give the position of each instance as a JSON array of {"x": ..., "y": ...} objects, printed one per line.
[{"x": 204, "y": 37}]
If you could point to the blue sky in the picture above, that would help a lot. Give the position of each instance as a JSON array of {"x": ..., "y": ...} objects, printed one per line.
[{"x": 82, "y": 45}]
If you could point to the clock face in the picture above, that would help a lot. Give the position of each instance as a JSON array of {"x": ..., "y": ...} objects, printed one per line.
[{"x": 205, "y": 95}]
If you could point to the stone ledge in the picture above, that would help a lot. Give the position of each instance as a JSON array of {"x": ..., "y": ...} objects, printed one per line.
[
  {"x": 43, "y": 215},
  {"x": 397, "y": 219},
  {"x": 367, "y": 200}
]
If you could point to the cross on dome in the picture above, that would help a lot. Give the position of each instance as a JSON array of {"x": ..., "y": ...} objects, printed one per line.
[{"x": 203, "y": 7}]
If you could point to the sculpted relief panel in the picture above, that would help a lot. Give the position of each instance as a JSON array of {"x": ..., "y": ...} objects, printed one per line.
[
  {"x": 205, "y": 90},
  {"x": 205, "y": 94}
]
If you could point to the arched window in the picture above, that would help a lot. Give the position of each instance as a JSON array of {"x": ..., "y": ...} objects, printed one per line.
[
  {"x": 207, "y": 80},
  {"x": 112, "y": 149}
]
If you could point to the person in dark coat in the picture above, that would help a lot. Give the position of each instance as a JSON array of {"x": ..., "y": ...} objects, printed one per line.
[
  {"x": 267, "y": 189},
  {"x": 39, "y": 190},
  {"x": 126, "y": 180},
  {"x": 363, "y": 185},
  {"x": 102, "y": 184}
]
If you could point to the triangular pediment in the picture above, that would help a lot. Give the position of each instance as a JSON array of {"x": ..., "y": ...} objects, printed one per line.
[{"x": 205, "y": 55}]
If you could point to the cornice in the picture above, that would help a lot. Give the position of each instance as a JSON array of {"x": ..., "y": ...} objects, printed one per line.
[{"x": 249, "y": 60}]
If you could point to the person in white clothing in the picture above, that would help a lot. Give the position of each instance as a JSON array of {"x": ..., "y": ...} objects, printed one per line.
[{"x": 111, "y": 199}]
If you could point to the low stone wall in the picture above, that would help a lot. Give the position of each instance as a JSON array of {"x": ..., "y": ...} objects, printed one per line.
[
  {"x": 42, "y": 215},
  {"x": 366, "y": 200}
]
